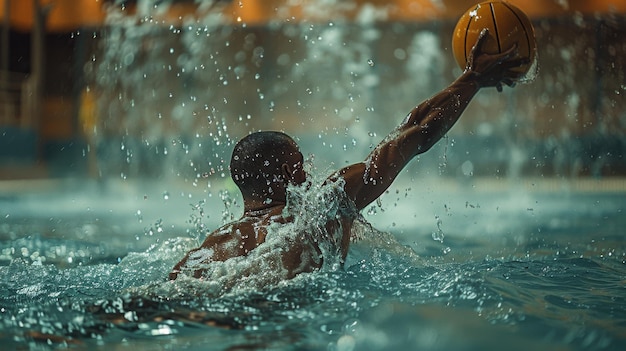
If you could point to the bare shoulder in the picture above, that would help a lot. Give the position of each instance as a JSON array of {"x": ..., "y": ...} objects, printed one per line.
[
  {"x": 219, "y": 245},
  {"x": 221, "y": 235},
  {"x": 231, "y": 240},
  {"x": 228, "y": 240}
]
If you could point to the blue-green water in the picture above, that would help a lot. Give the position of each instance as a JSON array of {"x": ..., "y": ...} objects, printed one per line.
[{"x": 534, "y": 271}]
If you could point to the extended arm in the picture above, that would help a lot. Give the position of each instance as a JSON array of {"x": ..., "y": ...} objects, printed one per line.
[
  {"x": 426, "y": 124},
  {"x": 421, "y": 129}
]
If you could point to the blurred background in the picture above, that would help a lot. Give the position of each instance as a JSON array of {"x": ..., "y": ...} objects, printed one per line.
[
  {"x": 162, "y": 89},
  {"x": 118, "y": 117}
]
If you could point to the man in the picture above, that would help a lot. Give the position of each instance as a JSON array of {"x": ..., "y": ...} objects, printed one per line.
[{"x": 265, "y": 164}]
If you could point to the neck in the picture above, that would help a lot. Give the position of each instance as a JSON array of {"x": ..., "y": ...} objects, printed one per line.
[{"x": 251, "y": 205}]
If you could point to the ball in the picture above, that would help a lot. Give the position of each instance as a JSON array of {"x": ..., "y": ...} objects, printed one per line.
[{"x": 507, "y": 26}]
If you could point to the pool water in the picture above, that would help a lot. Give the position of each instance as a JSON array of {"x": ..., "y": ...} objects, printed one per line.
[{"x": 437, "y": 269}]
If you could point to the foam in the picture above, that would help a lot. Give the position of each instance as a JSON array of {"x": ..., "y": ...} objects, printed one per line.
[{"x": 310, "y": 206}]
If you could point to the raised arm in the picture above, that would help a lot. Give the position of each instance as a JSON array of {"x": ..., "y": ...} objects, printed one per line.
[{"x": 427, "y": 123}]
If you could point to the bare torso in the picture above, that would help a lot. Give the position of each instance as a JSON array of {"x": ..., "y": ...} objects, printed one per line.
[{"x": 239, "y": 238}]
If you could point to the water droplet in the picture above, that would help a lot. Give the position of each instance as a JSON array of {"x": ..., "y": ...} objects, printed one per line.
[{"x": 438, "y": 235}]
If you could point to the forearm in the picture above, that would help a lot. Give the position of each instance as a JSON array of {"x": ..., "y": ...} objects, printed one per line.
[
  {"x": 427, "y": 124},
  {"x": 431, "y": 120},
  {"x": 421, "y": 129}
]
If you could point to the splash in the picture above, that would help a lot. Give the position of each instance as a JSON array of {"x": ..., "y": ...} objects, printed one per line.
[
  {"x": 311, "y": 208},
  {"x": 532, "y": 72}
]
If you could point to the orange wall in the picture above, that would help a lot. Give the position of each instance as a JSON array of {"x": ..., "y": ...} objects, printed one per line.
[
  {"x": 68, "y": 15},
  {"x": 65, "y": 15}
]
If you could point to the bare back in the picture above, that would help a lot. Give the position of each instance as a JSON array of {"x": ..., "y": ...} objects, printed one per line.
[{"x": 239, "y": 238}]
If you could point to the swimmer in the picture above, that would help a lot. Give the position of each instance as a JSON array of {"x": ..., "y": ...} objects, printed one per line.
[{"x": 265, "y": 164}]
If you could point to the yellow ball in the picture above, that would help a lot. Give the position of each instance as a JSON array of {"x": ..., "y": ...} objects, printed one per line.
[{"x": 507, "y": 26}]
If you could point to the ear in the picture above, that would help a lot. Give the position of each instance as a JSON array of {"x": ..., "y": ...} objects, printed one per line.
[{"x": 286, "y": 171}]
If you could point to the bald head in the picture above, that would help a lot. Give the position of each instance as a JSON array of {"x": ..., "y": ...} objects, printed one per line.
[{"x": 263, "y": 163}]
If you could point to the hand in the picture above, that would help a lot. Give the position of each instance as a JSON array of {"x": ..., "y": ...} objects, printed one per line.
[{"x": 491, "y": 70}]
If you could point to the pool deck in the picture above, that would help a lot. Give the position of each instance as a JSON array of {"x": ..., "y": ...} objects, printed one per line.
[{"x": 17, "y": 187}]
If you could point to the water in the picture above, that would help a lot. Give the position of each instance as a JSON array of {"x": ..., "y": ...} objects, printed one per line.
[
  {"x": 174, "y": 95},
  {"x": 490, "y": 239},
  {"x": 540, "y": 270}
]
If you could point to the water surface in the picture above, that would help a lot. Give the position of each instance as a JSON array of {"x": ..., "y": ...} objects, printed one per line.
[{"x": 437, "y": 270}]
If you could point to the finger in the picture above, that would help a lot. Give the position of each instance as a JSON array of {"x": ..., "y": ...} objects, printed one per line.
[
  {"x": 481, "y": 39},
  {"x": 512, "y": 50},
  {"x": 518, "y": 62},
  {"x": 508, "y": 54},
  {"x": 509, "y": 82},
  {"x": 511, "y": 76}
]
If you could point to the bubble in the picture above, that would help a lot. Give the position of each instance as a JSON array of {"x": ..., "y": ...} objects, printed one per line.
[
  {"x": 467, "y": 168},
  {"x": 346, "y": 343}
]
